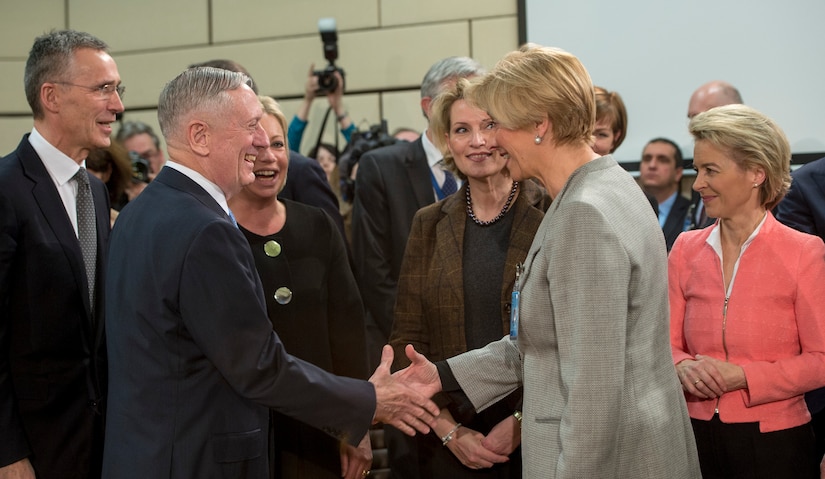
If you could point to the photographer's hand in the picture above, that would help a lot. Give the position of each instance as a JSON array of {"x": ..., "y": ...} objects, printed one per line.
[
  {"x": 336, "y": 102},
  {"x": 309, "y": 94}
]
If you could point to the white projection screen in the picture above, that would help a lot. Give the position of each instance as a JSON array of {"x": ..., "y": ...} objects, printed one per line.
[{"x": 655, "y": 53}]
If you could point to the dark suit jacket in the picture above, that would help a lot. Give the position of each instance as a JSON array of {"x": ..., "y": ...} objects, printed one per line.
[
  {"x": 52, "y": 357},
  {"x": 675, "y": 222},
  {"x": 195, "y": 364},
  {"x": 392, "y": 184},
  {"x": 803, "y": 209},
  {"x": 308, "y": 185}
]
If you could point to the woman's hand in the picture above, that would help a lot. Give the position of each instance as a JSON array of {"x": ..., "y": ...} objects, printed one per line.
[
  {"x": 505, "y": 437},
  {"x": 467, "y": 446},
  {"x": 356, "y": 461},
  {"x": 700, "y": 378}
]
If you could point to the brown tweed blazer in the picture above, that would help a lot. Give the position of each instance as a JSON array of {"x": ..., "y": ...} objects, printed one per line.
[{"x": 429, "y": 307}]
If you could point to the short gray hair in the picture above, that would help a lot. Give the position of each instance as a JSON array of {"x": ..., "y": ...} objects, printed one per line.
[
  {"x": 133, "y": 128},
  {"x": 196, "y": 90},
  {"x": 450, "y": 68},
  {"x": 50, "y": 59}
]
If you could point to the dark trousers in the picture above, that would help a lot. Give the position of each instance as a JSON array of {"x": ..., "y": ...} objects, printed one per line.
[{"x": 740, "y": 451}]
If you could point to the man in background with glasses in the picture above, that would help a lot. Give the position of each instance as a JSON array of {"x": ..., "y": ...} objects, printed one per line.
[
  {"x": 138, "y": 137},
  {"x": 54, "y": 226}
]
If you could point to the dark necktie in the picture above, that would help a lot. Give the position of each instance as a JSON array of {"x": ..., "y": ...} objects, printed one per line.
[
  {"x": 449, "y": 186},
  {"x": 87, "y": 230}
]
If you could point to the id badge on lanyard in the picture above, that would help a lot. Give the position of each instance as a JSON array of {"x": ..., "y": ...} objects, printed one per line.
[{"x": 514, "y": 303}]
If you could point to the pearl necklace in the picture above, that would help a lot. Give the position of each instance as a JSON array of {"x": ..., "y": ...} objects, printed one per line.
[{"x": 499, "y": 216}]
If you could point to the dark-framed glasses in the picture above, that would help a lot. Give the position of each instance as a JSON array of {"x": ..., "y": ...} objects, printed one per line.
[{"x": 102, "y": 91}]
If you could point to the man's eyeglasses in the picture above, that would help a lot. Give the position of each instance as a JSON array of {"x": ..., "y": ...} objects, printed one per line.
[{"x": 102, "y": 91}]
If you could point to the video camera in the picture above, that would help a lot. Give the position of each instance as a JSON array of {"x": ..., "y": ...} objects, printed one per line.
[
  {"x": 327, "y": 83},
  {"x": 361, "y": 142}
]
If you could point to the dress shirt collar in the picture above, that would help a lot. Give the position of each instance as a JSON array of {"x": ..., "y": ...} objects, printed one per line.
[
  {"x": 715, "y": 241},
  {"x": 211, "y": 188},
  {"x": 665, "y": 207},
  {"x": 61, "y": 168}
]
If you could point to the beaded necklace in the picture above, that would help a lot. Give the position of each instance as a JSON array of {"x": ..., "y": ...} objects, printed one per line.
[{"x": 499, "y": 216}]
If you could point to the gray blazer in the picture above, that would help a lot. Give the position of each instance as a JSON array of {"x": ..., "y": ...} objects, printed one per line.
[{"x": 601, "y": 396}]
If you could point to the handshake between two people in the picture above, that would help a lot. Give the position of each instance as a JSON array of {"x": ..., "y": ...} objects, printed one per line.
[{"x": 402, "y": 399}]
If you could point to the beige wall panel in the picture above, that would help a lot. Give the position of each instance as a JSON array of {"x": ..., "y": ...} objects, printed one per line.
[
  {"x": 22, "y": 21},
  {"x": 253, "y": 19},
  {"x": 12, "y": 95},
  {"x": 399, "y": 57},
  {"x": 279, "y": 68},
  {"x": 403, "y": 109},
  {"x": 493, "y": 38},
  {"x": 403, "y": 12},
  {"x": 143, "y": 25},
  {"x": 11, "y": 132}
]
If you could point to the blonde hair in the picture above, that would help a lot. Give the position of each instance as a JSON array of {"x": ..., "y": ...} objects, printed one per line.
[
  {"x": 753, "y": 141},
  {"x": 536, "y": 83},
  {"x": 440, "y": 121},
  {"x": 272, "y": 108}
]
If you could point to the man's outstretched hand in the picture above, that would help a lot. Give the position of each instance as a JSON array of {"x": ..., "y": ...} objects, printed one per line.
[{"x": 405, "y": 406}]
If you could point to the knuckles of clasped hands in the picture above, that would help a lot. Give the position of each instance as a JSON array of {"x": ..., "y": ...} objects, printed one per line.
[{"x": 704, "y": 377}]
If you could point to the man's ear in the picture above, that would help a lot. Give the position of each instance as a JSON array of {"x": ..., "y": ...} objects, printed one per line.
[
  {"x": 425, "y": 106},
  {"x": 50, "y": 97},
  {"x": 199, "y": 137}
]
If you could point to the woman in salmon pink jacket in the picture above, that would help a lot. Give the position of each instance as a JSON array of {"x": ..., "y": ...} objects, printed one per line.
[{"x": 747, "y": 299}]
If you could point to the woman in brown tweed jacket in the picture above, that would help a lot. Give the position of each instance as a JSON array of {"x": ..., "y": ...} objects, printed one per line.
[{"x": 455, "y": 287}]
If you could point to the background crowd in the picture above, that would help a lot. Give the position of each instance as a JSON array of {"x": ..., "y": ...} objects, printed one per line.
[{"x": 231, "y": 324}]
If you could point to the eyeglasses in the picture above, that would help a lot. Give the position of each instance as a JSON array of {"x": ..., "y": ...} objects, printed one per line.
[{"x": 102, "y": 91}]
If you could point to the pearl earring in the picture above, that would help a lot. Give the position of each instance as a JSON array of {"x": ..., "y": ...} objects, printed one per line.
[
  {"x": 756, "y": 185},
  {"x": 537, "y": 140}
]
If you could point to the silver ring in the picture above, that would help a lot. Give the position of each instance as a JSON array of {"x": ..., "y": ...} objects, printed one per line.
[{"x": 697, "y": 382}]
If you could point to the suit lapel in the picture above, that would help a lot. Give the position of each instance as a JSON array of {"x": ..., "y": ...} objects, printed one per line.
[
  {"x": 420, "y": 175},
  {"x": 51, "y": 205}
]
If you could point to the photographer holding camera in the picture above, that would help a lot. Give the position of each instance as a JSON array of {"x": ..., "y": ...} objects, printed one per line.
[{"x": 318, "y": 83}]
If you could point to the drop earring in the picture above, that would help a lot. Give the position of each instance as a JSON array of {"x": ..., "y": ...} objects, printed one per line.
[{"x": 537, "y": 140}]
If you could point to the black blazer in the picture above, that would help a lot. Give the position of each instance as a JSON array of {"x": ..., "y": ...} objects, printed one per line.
[
  {"x": 52, "y": 357},
  {"x": 308, "y": 185},
  {"x": 803, "y": 208},
  {"x": 195, "y": 365},
  {"x": 392, "y": 184},
  {"x": 675, "y": 222}
]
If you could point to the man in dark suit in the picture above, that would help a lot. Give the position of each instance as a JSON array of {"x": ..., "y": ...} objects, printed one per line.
[
  {"x": 660, "y": 174},
  {"x": 392, "y": 183},
  {"x": 194, "y": 362},
  {"x": 803, "y": 209},
  {"x": 52, "y": 356}
]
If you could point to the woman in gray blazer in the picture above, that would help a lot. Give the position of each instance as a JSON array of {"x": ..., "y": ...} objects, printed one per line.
[{"x": 592, "y": 348}]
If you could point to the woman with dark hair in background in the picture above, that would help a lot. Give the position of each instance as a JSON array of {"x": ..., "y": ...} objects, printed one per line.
[
  {"x": 611, "y": 121},
  {"x": 113, "y": 167}
]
